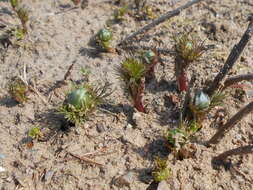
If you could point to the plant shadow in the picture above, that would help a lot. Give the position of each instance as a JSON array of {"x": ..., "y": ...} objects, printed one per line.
[
  {"x": 154, "y": 86},
  {"x": 127, "y": 110},
  {"x": 5, "y": 11},
  {"x": 157, "y": 148},
  {"x": 8, "y": 102}
]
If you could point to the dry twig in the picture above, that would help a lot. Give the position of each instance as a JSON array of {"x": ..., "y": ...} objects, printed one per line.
[
  {"x": 159, "y": 20},
  {"x": 85, "y": 159},
  {"x": 233, "y": 80},
  {"x": 230, "y": 123},
  {"x": 232, "y": 58}
]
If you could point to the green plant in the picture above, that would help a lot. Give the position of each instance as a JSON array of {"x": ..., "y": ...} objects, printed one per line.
[
  {"x": 35, "y": 132},
  {"x": 188, "y": 49},
  {"x": 18, "y": 90},
  {"x": 161, "y": 171},
  {"x": 132, "y": 72},
  {"x": 23, "y": 17},
  {"x": 120, "y": 13},
  {"x": 14, "y": 4},
  {"x": 104, "y": 38},
  {"x": 82, "y": 101},
  {"x": 150, "y": 58}
]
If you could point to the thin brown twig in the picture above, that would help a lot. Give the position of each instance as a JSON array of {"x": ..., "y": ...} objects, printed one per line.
[
  {"x": 231, "y": 60},
  {"x": 236, "y": 151},
  {"x": 239, "y": 78},
  {"x": 85, "y": 159},
  {"x": 66, "y": 76},
  {"x": 159, "y": 20},
  {"x": 230, "y": 123}
]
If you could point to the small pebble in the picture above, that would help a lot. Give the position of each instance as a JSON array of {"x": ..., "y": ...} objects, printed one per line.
[
  {"x": 100, "y": 128},
  {"x": 125, "y": 180},
  {"x": 163, "y": 186},
  {"x": 2, "y": 156},
  {"x": 2, "y": 169}
]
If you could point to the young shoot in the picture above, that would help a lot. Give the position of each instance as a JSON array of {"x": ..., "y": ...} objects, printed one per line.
[
  {"x": 161, "y": 170},
  {"x": 23, "y": 17},
  {"x": 82, "y": 101},
  {"x": 119, "y": 14},
  {"x": 132, "y": 73},
  {"x": 188, "y": 49},
  {"x": 18, "y": 90},
  {"x": 104, "y": 38},
  {"x": 35, "y": 132},
  {"x": 150, "y": 58}
]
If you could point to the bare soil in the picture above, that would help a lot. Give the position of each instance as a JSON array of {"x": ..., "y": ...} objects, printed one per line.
[{"x": 121, "y": 139}]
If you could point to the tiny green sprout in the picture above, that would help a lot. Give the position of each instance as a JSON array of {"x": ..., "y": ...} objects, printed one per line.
[
  {"x": 120, "y": 13},
  {"x": 18, "y": 90},
  {"x": 19, "y": 33},
  {"x": 161, "y": 171},
  {"x": 148, "y": 56},
  {"x": 132, "y": 72},
  {"x": 104, "y": 39},
  {"x": 23, "y": 17},
  {"x": 149, "y": 12},
  {"x": 14, "y": 3},
  {"x": 176, "y": 136},
  {"x": 35, "y": 132},
  {"x": 82, "y": 101}
]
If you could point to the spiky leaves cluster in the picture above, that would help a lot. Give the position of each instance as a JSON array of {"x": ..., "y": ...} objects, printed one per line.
[
  {"x": 120, "y": 13},
  {"x": 14, "y": 3},
  {"x": 188, "y": 49},
  {"x": 82, "y": 101},
  {"x": 18, "y": 90},
  {"x": 161, "y": 170},
  {"x": 132, "y": 72},
  {"x": 35, "y": 132},
  {"x": 23, "y": 17}
]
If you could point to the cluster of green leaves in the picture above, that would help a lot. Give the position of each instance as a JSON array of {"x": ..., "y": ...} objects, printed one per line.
[
  {"x": 188, "y": 48},
  {"x": 18, "y": 90},
  {"x": 161, "y": 170},
  {"x": 82, "y": 101},
  {"x": 35, "y": 132},
  {"x": 119, "y": 14}
]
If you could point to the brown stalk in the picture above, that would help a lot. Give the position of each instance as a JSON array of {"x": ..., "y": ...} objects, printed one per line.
[
  {"x": 236, "y": 151},
  {"x": 230, "y": 123},
  {"x": 232, "y": 58},
  {"x": 159, "y": 20},
  {"x": 233, "y": 80}
]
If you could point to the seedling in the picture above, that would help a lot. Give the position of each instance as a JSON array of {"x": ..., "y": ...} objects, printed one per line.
[
  {"x": 161, "y": 171},
  {"x": 104, "y": 38},
  {"x": 120, "y": 13},
  {"x": 82, "y": 101},
  {"x": 150, "y": 58},
  {"x": 18, "y": 90},
  {"x": 132, "y": 73},
  {"x": 188, "y": 49},
  {"x": 178, "y": 138},
  {"x": 14, "y": 4},
  {"x": 35, "y": 132},
  {"x": 23, "y": 17}
]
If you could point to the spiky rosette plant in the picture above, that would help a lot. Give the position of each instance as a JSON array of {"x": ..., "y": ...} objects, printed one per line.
[
  {"x": 18, "y": 90},
  {"x": 23, "y": 16},
  {"x": 104, "y": 39},
  {"x": 132, "y": 72},
  {"x": 82, "y": 101},
  {"x": 119, "y": 14},
  {"x": 188, "y": 49},
  {"x": 161, "y": 170}
]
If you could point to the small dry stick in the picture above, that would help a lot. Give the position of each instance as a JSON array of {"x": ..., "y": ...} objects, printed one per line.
[
  {"x": 233, "y": 80},
  {"x": 85, "y": 159},
  {"x": 232, "y": 58},
  {"x": 159, "y": 20},
  {"x": 230, "y": 123},
  {"x": 236, "y": 151}
]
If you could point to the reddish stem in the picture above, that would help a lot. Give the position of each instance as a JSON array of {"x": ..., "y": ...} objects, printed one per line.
[
  {"x": 138, "y": 102},
  {"x": 182, "y": 81}
]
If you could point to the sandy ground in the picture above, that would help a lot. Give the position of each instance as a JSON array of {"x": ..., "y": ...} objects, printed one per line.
[{"x": 125, "y": 145}]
